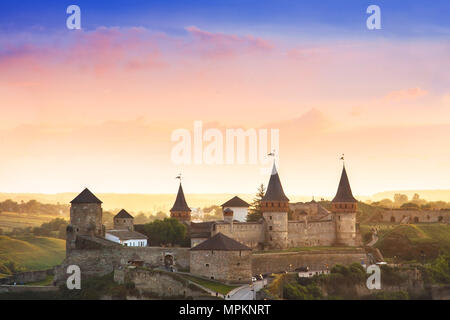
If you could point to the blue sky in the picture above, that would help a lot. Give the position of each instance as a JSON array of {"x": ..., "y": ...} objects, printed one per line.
[{"x": 286, "y": 18}]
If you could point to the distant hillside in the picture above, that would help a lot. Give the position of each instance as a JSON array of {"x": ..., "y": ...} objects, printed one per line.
[
  {"x": 430, "y": 195},
  {"x": 137, "y": 202},
  {"x": 32, "y": 253}
]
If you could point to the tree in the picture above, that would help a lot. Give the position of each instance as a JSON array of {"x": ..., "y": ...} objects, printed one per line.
[
  {"x": 254, "y": 212},
  {"x": 400, "y": 199},
  {"x": 212, "y": 213},
  {"x": 166, "y": 232},
  {"x": 410, "y": 206},
  {"x": 141, "y": 218}
]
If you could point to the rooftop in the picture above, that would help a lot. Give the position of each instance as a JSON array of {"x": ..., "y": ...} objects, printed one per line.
[
  {"x": 86, "y": 196},
  {"x": 236, "y": 202},
  {"x": 220, "y": 242},
  {"x": 123, "y": 214}
]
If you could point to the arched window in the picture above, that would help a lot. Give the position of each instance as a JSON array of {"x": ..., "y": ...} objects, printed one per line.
[
  {"x": 416, "y": 219},
  {"x": 392, "y": 219}
]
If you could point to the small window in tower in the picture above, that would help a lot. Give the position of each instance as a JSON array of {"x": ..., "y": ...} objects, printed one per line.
[
  {"x": 238, "y": 263},
  {"x": 270, "y": 228},
  {"x": 270, "y": 217},
  {"x": 207, "y": 265}
]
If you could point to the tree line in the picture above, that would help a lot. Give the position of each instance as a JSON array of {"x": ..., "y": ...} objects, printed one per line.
[{"x": 34, "y": 206}]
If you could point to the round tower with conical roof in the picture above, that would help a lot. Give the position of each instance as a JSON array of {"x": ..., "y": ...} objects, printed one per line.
[
  {"x": 344, "y": 206},
  {"x": 86, "y": 214},
  {"x": 180, "y": 209},
  {"x": 85, "y": 218},
  {"x": 275, "y": 208}
]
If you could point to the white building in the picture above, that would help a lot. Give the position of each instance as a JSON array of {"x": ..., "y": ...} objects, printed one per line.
[
  {"x": 309, "y": 274},
  {"x": 127, "y": 238},
  {"x": 239, "y": 208}
]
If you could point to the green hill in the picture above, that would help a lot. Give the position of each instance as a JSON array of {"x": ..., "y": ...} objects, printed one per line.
[
  {"x": 32, "y": 253},
  {"x": 408, "y": 242}
]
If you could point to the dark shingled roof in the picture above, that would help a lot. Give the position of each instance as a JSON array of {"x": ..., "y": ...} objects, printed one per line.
[
  {"x": 274, "y": 189},
  {"x": 344, "y": 192},
  {"x": 236, "y": 202},
  {"x": 221, "y": 242},
  {"x": 180, "y": 202},
  {"x": 86, "y": 197},
  {"x": 124, "y": 215}
]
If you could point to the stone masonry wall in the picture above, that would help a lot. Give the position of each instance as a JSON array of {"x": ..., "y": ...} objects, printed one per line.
[
  {"x": 308, "y": 234},
  {"x": 250, "y": 234},
  {"x": 103, "y": 261},
  {"x": 158, "y": 283},
  {"x": 228, "y": 266},
  {"x": 315, "y": 260},
  {"x": 430, "y": 216}
]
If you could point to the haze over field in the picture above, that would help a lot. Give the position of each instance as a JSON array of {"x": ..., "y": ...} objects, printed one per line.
[{"x": 152, "y": 203}]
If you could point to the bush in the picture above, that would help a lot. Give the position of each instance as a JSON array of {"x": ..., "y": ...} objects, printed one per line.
[{"x": 384, "y": 295}]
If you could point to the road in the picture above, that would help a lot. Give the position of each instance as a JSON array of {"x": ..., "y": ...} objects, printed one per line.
[
  {"x": 373, "y": 241},
  {"x": 246, "y": 292}
]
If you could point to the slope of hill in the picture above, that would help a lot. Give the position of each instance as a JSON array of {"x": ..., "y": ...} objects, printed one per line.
[
  {"x": 32, "y": 253},
  {"x": 414, "y": 242}
]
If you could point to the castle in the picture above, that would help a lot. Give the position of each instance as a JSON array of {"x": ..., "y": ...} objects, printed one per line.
[
  {"x": 307, "y": 224},
  {"x": 220, "y": 250}
]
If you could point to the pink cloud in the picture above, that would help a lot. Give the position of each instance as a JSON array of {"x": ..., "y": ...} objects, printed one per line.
[
  {"x": 408, "y": 94},
  {"x": 218, "y": 45}
]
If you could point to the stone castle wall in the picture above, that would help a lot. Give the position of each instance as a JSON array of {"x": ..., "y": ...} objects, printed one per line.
[
  {"x": 228, "y": 266},
  {"x": 26, "y": 277},
  {"x": 86, "y": 218},
  {"x": 308, "y": 234},
  {"x": 99, "y": 262},
  {"x": 417, "y": 216},
  {"x": 250, "y": 234},
  {"x": 158, "y": 283},
  {"x": 315, "y": 260}
]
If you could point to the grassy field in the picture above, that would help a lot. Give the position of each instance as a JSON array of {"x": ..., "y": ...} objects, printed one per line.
[
  {"x": 211, "y": 285},
  {"x": 10, "y": 220},
  {"x": 409, "y": 242},
  {"x": 32, "y": 253}
]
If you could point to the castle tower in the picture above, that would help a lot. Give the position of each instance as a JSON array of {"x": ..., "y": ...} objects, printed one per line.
[
  {"x": 86, "y": 214},
  {"x": 180, "y": 209},
  {"x": 275, "y": 207},
  {"x": 344, "y": 207},
  {"x": 228, "y": 215},
  {"x": 123, "y": 221},
  {"x": 85, "y": 218}
]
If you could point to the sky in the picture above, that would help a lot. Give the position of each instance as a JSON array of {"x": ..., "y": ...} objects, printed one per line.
[{"x": 97, "y": 107}]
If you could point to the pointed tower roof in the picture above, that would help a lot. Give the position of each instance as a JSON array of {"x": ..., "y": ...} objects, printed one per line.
[
  {"x": 221, "y": 242},
  {"x": 180, "y": 202},
  {"x": 124, "y": 215},
  {"x": 344, "y": 192},
  {"x": 86, "y": 196},
  {"x": 274, "y": 189}
]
